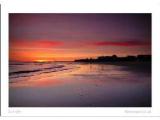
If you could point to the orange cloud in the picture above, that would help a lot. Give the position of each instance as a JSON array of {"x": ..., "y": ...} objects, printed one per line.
[{"x": 34, "y": 43}]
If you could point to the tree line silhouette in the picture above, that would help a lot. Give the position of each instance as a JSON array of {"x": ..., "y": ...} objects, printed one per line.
[{"x": 115, "y": 58}]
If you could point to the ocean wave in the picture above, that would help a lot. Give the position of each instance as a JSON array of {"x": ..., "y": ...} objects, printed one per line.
[
  {"x": 36, "y": 70},
  {"x": 27, "y": 73}
]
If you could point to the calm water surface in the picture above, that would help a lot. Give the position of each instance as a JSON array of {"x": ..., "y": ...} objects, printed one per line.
[{"x": 68, "y": 84}]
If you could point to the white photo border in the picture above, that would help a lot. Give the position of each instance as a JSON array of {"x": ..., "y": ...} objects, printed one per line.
[{"x": 81, "y": 6}]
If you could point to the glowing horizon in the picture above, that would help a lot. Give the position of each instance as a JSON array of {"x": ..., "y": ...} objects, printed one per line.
[{"x": 66, "y": 37}]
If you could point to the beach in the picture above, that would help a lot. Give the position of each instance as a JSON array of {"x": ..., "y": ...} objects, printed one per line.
[{"x": 74, "y": 84}]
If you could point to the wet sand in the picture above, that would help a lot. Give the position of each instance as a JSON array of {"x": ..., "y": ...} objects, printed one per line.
[{"x": 85, "y": 85}]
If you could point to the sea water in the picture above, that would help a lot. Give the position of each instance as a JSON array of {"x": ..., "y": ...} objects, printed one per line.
[{"x": 72, "y": 84}]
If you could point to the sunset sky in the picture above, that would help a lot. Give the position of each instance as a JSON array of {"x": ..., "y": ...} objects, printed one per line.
[{"x": 66, "y": 37}]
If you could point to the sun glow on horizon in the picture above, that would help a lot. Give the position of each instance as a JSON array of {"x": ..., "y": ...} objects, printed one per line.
[
  {"x": 77, "y": 36},
  {"x": 41, "y": 60}
]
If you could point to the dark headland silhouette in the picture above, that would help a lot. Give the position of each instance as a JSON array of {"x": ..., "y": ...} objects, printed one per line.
[{"x": 115, "y": 58}]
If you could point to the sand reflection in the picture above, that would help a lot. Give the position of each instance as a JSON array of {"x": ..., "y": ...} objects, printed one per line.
[{"x": 83, "y": 85}]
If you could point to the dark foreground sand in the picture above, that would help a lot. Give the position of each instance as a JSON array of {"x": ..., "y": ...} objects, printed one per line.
[{"x": 86, "y": 85}]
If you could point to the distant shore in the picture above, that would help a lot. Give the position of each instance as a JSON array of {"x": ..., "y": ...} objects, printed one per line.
[{"x": 115, "y": 58}]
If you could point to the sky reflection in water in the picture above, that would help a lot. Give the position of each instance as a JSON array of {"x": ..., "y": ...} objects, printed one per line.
[{"x": 82, "y": 85}]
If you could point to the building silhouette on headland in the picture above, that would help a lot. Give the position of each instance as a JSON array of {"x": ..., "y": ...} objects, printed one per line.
[{"x": 115, "y": 58}]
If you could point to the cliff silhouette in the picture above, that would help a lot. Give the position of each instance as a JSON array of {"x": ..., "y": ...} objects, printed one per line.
[{"x": 115, "y": 58}]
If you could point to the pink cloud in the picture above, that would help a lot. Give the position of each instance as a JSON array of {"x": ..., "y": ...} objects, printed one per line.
[
  {"x": 123, "y": 43},
  {"x": 34, "y": 43}
]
